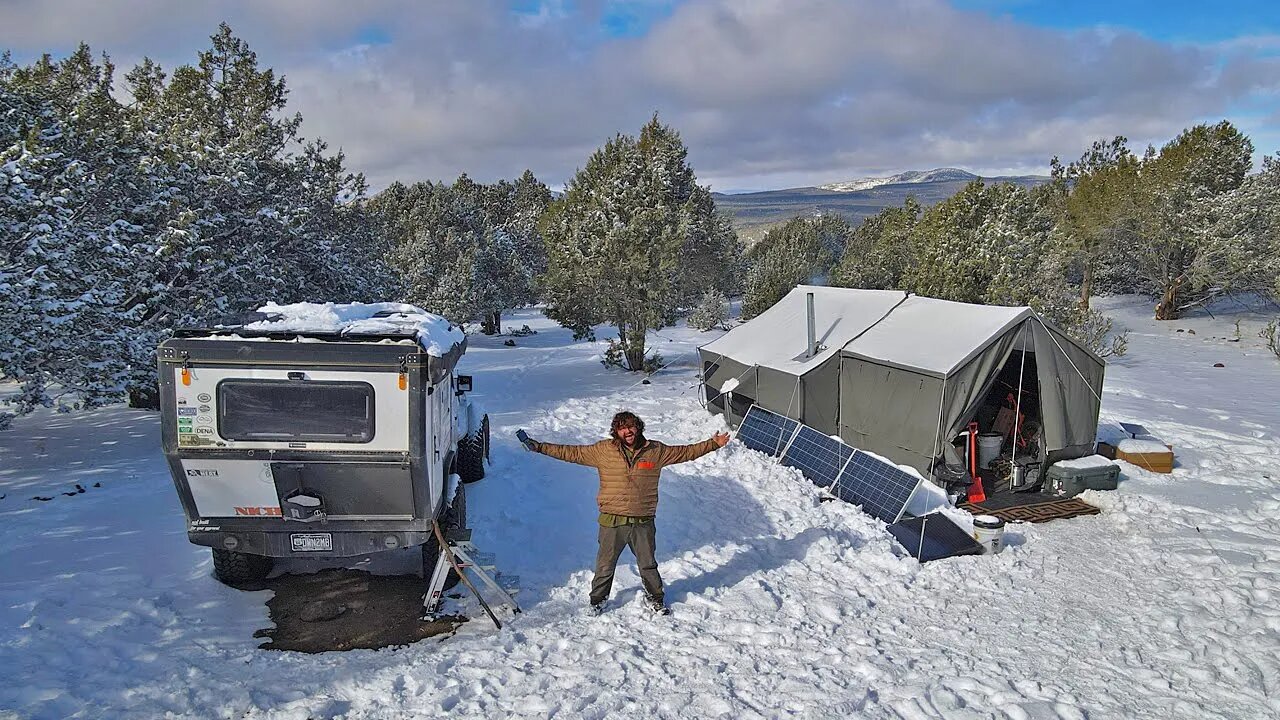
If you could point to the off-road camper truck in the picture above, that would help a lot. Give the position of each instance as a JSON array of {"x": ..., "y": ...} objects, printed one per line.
[{"x": 318, "y": 431}]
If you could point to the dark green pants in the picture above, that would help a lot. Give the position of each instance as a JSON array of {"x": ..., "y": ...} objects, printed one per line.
[{"x": 640, "y": 537}]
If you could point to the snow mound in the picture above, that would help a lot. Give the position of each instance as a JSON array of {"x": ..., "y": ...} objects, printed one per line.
[
  {"x": 1139, "y": 446},
  {"x": 1084, "y": 463},
  {"x": 436, "y": 334}
]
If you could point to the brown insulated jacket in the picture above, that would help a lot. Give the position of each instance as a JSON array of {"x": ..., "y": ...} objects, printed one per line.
[{"x": 629, "y": 489}]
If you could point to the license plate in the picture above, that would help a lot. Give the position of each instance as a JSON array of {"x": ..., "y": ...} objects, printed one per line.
[{"x": 311, "y": 542}]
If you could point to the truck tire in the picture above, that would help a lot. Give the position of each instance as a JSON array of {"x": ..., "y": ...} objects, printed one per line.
[
  {"x": 453, "y": 517},
  {"x": 235, "y": 569},
  {"x": 430, "y": 556},
  {"x": 471, "y": 458}
]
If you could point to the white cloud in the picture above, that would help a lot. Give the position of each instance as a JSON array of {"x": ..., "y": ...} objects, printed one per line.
[{"x": 763, "y": 91}]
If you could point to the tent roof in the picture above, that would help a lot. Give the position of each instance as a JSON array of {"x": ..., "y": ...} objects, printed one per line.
[{"x": 934, "y": 336}]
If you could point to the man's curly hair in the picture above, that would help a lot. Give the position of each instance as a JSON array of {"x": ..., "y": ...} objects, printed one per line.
[{"x": 623, "y": 419}]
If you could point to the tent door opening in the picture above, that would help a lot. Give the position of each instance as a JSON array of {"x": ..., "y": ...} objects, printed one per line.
[{"x": 1011, "y": 411}]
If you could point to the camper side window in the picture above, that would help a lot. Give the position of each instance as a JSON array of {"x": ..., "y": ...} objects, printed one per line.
[{"x": 282, "y": 410}]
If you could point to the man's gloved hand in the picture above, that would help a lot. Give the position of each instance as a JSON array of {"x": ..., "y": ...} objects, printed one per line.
[{"x": 524, "y": 439}]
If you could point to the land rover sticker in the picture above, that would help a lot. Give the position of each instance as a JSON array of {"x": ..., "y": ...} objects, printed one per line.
[
  {"x": 204, "y": 397},
  {"x": 311, "y": 542}
]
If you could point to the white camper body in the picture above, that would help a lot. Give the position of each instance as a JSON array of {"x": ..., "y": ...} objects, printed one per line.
[{"x": 288, "y": 438}]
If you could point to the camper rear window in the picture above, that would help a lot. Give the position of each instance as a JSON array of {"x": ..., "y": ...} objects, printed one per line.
[{"x": 295, "y": 411}]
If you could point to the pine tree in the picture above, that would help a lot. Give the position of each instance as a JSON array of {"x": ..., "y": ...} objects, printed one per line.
[
  {"x": 124, "y": 221},
  {"x": 1241, "y": 253},
  {"x": 801, "y": 250},
  {"x": 879, "y": 251},
  {"x": 633, "y": 239},
  {"x": 711, "y": 312},
  {"x": 1094, "y": 200},
  {"x": 1179, "y": 195}
]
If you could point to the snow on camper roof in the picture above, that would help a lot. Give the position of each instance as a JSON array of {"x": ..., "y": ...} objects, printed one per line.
[
  {"x": 435, "y": 334},
  {"x": 888, "y": 325}
]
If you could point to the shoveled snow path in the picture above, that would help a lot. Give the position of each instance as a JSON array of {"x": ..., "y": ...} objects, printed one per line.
[{"x": 783, "y": 605}]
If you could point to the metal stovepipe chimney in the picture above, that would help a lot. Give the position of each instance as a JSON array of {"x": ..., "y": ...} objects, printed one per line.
[{"x": 812, "y": 347}]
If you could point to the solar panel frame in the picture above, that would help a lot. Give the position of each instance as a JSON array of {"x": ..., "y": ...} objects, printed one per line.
[
  {"x": 770, "y": 433},
  {"x": 933, "y": 537},
  {"x": 819, "y": 457},
  {"x": 881, "y": 489}
]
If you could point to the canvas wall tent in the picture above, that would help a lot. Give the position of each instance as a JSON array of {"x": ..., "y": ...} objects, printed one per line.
[{"x": 900, "y": 374}]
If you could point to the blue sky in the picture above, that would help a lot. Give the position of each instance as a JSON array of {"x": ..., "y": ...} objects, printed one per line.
[
  {"x": 1176, "y": 21},
  {"x": 766, "y": 93}
]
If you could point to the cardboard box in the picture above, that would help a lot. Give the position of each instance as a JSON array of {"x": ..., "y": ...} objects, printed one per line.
[{"x": 1150, "y": 455}]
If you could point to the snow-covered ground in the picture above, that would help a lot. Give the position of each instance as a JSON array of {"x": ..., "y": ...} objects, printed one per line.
[{"x": 1163, "y": 606}]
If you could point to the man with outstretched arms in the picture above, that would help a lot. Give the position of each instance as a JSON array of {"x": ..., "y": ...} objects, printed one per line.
[{"x": 629, "y": 465}]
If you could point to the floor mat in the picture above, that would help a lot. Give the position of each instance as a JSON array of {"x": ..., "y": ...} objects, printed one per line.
[{"x": 1037, "y": 511}]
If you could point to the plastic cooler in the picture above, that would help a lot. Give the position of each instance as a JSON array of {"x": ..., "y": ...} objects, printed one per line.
[{"x": 1072, "y": 477}]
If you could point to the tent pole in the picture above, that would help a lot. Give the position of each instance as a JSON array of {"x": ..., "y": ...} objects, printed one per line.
[
  {"x": 937, "y": 437},
  {"x": 788, "y": 413},
  {"x": 1017, "y": 406}
]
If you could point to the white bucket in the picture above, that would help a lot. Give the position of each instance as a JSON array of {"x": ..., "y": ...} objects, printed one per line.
[
  {"x": 989, "y": 445},
  {"x": 988, "y": 530}
]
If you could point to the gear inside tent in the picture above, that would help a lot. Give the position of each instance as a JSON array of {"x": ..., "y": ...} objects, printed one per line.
[{"x": 951, "y": 389}]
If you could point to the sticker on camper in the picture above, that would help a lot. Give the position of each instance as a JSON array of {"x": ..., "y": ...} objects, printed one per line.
[
  {"x": 204, "y": 397},
  {"x": 187, "y": 412}
]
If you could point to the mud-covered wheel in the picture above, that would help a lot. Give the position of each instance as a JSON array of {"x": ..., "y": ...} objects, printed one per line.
[
  {"x": 470, "y": 464},
  {"x": 235, "y": 569}
]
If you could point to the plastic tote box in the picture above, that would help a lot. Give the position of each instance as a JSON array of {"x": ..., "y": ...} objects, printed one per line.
[{"x": 1072, "y": 477}]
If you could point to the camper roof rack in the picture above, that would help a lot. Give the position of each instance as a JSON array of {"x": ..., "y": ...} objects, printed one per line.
[{"x": 327, "y": 335}]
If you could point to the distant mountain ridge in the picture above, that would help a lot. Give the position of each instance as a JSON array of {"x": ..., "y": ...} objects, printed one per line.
[
  {"x": 910, "y": 177},
  {"x": 855, "y": 200}
]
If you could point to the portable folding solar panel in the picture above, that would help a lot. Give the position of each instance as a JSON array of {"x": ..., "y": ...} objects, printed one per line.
[
  {"x": 820, "y": 457},
  {"x": 933, "y": 537},
  {"x": 767, "y": 432},
  {"x": 881, "y": 489}
]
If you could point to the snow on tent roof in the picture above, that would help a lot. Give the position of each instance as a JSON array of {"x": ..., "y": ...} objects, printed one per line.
[
  {"x": 936, "y": 336},
  {"x": 436, "y": 334},
  {"x": 928, "y": 334}
]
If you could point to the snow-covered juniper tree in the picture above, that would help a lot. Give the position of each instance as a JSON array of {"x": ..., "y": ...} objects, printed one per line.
[
  {"x": 800, "y": 250},
  {"x": 466, "y": 250},
  {"x": 633, "y": 239},
  {"x": 1241, "y": 252},
  {"x": 1093, "y": 203},
  {"x": 1178, "y": 206},
  {"x": 878, "y": 251},
  {"x": 711, "y": 312},
  {"x": 70, "y": 220},
  {"x": 194, "y": 200}
]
